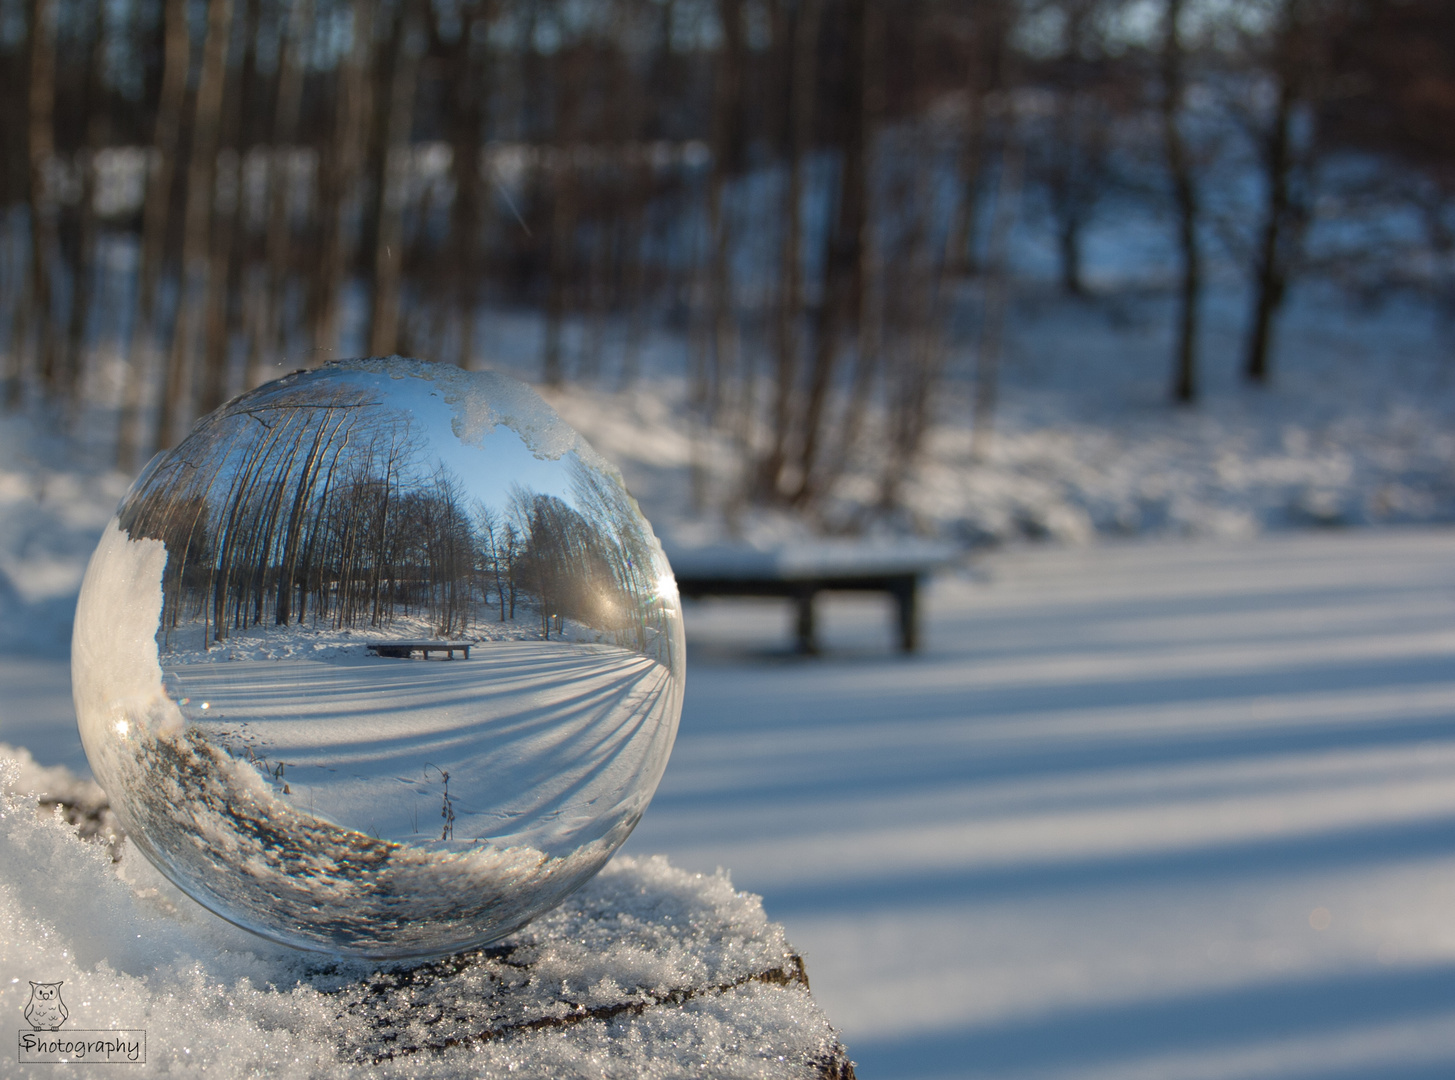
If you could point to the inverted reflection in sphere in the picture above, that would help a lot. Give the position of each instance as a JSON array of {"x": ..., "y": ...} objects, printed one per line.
[{"x": 253, "y": 689}]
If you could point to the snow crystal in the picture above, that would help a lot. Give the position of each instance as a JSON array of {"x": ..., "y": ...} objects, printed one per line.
[{"x": 648, "y": 971}]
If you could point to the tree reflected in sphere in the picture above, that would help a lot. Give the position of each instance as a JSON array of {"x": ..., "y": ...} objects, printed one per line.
[{"x": 382, "y": 660}]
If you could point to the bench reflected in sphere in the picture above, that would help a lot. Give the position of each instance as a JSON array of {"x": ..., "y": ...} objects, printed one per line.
[{"x": 382, "y": 660}]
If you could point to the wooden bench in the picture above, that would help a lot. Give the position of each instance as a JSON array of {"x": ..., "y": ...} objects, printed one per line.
[
  {"x": 403, "y": 650},
  {"x": 800, "y": 572}
]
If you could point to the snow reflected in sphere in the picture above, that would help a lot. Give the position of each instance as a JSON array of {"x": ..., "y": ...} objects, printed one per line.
[{"x": 382, "y": 660}]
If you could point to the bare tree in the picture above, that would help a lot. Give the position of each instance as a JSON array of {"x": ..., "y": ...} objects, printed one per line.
[
  {"x": 844, "y": 257},
  {"x": 1180, "y": 171},
  {"x": 197, "y": 222},
  {"x": 78, "y": 241},
  {"x": 39, "y": 304},
  {"x": 269, "y": 334},
  {"x": 155, "y": 215},
  {"x": 799, "y": 27},
  {"x": 469, "y": 79},
  {"x": 340, "y": 175},
  {"x": 395, "y": 159},
  {"x": 985, "y": 48},
  {"x": 1291, "y": 66},
  {"x": 997, "y": 295}
]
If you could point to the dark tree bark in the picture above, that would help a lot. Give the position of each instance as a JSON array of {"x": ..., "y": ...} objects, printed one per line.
[
  {"x": 470, "y": 87},
  {"x": 197, "y": 223},
  {"x": 985, "y": 66},
  {"x": 394, "y": 157},
  {"x": 155, "y": 215},
  {"x": 718, "y": 355},
  {"x": 1270, "y": 269},
  {"x": 271, "y": 332},
  {"x": 340, "y": 175},
  {"x": 868, "y": 315},
  {"x": 997, "y": 295},
  {"x": 41, "y": 148},
  {"x": 1292, "y": 64},
  {"x": 1180, "y": 171},
  {"x": 799, "y": 27},
  {"x": 224, "y": 271},
  {"x": 843, "y": 260},
  {"x": 82, "y": 258},
  {"x": 562, "y": 180}
]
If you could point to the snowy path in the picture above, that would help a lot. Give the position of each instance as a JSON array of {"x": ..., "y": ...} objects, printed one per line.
[
  {"x": 1093, "y": 830},
  {"x": 1156, "y": 810}
]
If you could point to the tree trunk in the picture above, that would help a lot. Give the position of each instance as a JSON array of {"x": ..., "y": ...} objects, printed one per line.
[
  {"x": 1270, "y": 270},
  {"x": 563, "y": 226},
  {"x": 868, "y": 312},
  {"x": 470, "y": 92},
  {"x": 155, "y": 216},
  {"x": 271, "y": 335},
  {"x": 341, "y": 174},
  {"x": 41, "y": 147},
  {"x": 1184, "y": 192},
  {"x": 802, "y": 84},
  {"x": 997, "y": 289},
  {"x": 389, "y": 248},
  {"x": 225, "y": 263},
  {"x": 1069, "y": 245},
  {"x": 1295, "y": 66},
  {"x": 720, "y": 355},
  {"x": 221, "y": 283},
  {"x": 84, "y": 273},
  {"x": 960, "y": 245},
  {"x": 985, "y": 76},
  {"x": 201, "y": 185},
  {"x": 844, "y": 263}
]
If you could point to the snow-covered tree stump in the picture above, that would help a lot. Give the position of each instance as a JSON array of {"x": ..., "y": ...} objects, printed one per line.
[{"x": 647, "y": 971}]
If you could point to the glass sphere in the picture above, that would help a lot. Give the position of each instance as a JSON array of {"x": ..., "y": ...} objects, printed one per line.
[{"x": 382, "y": 660}]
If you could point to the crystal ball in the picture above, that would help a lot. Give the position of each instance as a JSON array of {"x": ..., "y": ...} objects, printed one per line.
[{"x": 382, "y": 660}]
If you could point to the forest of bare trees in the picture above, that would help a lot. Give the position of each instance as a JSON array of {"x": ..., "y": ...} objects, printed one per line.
[
  {"x": 818, "y": 194},
  {"x": 292, "y": 507}
]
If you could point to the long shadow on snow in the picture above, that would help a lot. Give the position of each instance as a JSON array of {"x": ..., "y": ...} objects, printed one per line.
[
  {"x": 736, "y": 703},
  {"x": 1211, "y": 1022},
  {"x": 1335, "y": 849},
  {"x": 884, "y": 772}
]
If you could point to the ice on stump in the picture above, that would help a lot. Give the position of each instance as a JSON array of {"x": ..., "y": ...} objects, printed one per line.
[{"x": 647, "y": 971}]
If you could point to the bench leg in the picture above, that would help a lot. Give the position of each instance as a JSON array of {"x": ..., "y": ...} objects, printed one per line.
[
  {"x": 807, "y": 643},
  {"x": 906, "y": 596}
]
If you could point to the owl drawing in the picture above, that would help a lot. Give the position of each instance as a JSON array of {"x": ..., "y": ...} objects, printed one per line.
[{"x": 45, "y": 1010}]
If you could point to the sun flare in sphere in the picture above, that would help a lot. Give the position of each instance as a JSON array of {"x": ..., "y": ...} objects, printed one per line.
[{"x": 382, "y": 660}]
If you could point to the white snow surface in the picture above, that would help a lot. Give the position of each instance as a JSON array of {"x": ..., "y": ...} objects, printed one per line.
[
  {"x": 1140, "y": 809},
  {"x": 134, "y": 953},
  {"x": 1092, "y": 829},
  {"x": 1172, "y": 809}
]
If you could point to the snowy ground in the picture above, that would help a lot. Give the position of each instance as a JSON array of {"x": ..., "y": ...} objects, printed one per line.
[
  {"x": 1151, "y": 807},
  {"x": 1143, "y": 809},
  {"x": 1140, "y": 810},
  {"x": 535, "y": 732}
]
